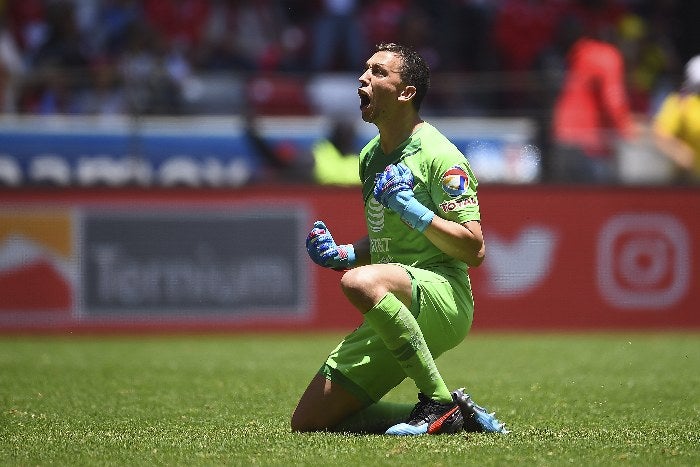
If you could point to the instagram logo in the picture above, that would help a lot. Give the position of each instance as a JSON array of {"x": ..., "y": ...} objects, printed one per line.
[{"x": 643, "y": 261}]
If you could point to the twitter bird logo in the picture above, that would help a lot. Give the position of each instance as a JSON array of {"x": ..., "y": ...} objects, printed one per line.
[{"x": 515, "y": 267}]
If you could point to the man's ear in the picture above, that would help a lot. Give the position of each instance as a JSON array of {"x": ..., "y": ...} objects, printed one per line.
[{"x": 408, "y": 93}]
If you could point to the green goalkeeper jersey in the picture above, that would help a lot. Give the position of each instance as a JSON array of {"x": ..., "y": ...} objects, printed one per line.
[{"x": 443, "y": 182}]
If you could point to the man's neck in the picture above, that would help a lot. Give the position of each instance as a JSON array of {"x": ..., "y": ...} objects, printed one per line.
[{"x": 392, "y": 134}]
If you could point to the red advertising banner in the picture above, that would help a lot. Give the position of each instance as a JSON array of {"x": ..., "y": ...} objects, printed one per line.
[
  {"x": 595, "y": 258},
  {"x": 558, "y": 258}
]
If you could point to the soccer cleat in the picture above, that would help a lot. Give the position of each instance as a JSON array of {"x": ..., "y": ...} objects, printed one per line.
[
  {"x": 477, "y": 418},
  {"x": 430, "y": 417}
]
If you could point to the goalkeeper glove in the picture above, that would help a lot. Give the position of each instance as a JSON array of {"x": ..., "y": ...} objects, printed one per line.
[
  {"x": 394, "y": 189},
  {"x": 323, "y": 250}
]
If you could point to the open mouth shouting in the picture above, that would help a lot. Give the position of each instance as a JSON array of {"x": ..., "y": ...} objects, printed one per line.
[
  {"x": 365, "y": 103},
  {"x": 365, "y": 100}
]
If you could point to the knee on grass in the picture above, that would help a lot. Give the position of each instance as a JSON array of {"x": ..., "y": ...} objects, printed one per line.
[{"x": 305, "y": 424}]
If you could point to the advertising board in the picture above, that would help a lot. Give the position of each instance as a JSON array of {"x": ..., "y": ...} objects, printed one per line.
[
  {"x": 186, "y": 264},
  {"x": 575, "y": 257},
  {"x": 558, "y": 258}
]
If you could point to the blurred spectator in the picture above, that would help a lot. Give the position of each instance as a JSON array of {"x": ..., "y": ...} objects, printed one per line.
[
  {"x": 150, "y": 86},
  {"x": 684, "y": 28},
  {"x": 105, "y": 94},
  {"x": 271, "y": 94},
  {"x": 382, "y": 20},
  {"x": 11, "y": 69},
  {"x": 649, "y": 58},
  {"x": 417, "y": 30},
  {"x": 600, "y": 18},
  {"x": 56, "y": 92},
  {"x": 58, "y": 63},
  {"x": 338, "y": 41},
  {"x": 591, "y": 110},
  {"x": 284, "y": 161},
  {"x": 113, "y": 22},
  {"x": 221, "y": 48},
  {"x": 144, "y": 56},
  {"x": 27, "y": 20},
  {"x": 179, "y": 27},
  {"x": 336, "y": 160},
  {"x": 333, "y": 160},
  {"x": 677, "y": 125},
  {"x": 179, "y": 22},
  {"x": 64, "y": 46},
  {"x": 251, "y": 35},
  {"x": 521, "y": 29},
  {"x": 466, "y": 26}
]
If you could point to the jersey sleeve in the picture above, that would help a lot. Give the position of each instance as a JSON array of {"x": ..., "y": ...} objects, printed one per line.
[
  {"x": 453, "y": 189},
  {"x": 667, "y": 120}
]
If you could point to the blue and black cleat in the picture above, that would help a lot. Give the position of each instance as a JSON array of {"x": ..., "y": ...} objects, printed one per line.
[
  {"x": 476, "y": 418},
  {"x": 430, "y": 417}
]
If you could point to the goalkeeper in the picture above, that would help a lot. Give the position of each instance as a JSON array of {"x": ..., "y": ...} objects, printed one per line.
[{"x": 408, "y": 277}]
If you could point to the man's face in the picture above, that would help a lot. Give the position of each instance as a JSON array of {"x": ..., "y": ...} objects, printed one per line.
[{"x": 380, "y": 87}]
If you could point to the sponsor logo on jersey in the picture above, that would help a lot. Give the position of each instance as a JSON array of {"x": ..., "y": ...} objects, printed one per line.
[
  {"x": 375, "y": 215},
  {"x": 455, "y": 181},
  {"x": 449, "y": 206},
  {"x": 379, "y": 245}
]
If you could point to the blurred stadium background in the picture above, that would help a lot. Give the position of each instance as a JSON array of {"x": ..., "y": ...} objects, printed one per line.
[{"x": 159, "y": 161}]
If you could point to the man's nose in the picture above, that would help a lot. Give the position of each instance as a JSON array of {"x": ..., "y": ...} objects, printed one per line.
[{"x": 363, "y": 78}]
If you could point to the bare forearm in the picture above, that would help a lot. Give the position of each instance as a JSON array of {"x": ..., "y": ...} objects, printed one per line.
[
  {"x": 676, "y": 150},
  {"x": 464, "y": 242},
  {"x": 362, "y": 253}
]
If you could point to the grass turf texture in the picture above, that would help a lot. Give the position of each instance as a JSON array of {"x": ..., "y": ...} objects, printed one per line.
[{"x": 569, "y": 399}]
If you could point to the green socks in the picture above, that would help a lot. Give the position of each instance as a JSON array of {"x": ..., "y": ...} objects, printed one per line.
[{"x": 399, "y": 330}]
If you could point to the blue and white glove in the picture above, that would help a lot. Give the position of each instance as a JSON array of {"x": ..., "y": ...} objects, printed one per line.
[
  {"x": 323, "y": 250},
  {"x": 393, "y": 188}
]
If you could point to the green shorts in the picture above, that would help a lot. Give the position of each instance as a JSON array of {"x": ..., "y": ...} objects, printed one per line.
[{"x": 444, "y": 309}]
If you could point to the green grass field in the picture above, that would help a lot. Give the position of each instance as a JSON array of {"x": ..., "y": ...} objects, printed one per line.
[{"x": 580, "y": 399}]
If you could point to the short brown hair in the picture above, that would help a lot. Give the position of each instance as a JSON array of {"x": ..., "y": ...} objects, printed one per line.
[{"x": 414, "y": 71}]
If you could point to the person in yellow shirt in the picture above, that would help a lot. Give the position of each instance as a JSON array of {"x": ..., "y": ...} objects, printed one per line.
[
  {"x": 335, "y": 162},
  {"x": 677, "y": 125},
  {"x": 331, "y": 160}
]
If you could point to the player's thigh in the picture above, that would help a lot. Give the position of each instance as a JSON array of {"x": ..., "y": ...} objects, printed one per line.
[
  {"x": 443, "y": 309},
  {"x": 363, "y": 366}
]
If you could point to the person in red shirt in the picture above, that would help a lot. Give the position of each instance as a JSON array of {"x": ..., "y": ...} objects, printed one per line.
[{"x": 591, "y": 112}]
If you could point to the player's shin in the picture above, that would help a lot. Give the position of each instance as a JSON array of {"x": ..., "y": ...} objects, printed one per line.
[{"x": 400, "y": 332}]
